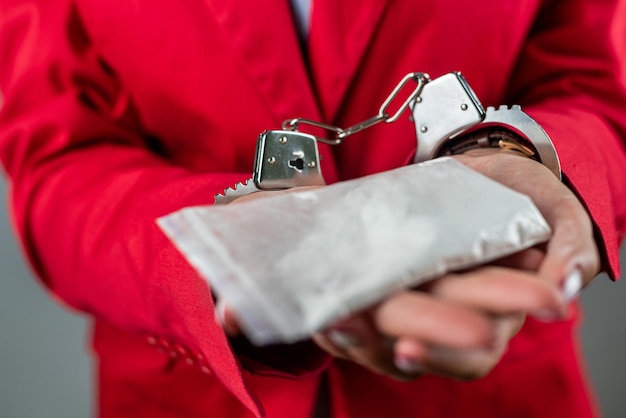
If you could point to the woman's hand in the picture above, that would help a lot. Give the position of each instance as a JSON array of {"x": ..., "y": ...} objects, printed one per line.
[
  {"x": 571, "y": 252},
  {"x": 459, "y": 326}
]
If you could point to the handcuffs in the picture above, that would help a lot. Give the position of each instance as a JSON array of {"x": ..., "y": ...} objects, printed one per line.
[{"x": 449, "y": 119}]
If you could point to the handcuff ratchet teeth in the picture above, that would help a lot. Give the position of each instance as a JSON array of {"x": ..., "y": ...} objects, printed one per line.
[
  {"x": 284, "y": 159},
  {"x": 506, "y": 128},
  {"x": 449, "y": 119}
]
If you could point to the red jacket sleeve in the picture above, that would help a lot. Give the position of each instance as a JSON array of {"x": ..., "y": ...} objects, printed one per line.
[
  {"x": 87, "y": 186},
  {"x": 568, "y": 78}
]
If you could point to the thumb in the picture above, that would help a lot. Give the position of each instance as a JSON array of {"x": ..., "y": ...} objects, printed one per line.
[{"x": 572, "y": 258}]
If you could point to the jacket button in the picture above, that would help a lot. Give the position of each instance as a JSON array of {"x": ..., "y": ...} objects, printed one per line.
[
  {"x": 163, "y": 345},
  {"x": 178, "y": 350}
]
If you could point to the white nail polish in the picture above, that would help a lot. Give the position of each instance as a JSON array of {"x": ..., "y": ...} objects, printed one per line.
[
  {"x": 409, "y": 366},
  {"x": 572, "y": 285},
  {"x": 343, "y": 339},
  {"x": 220, "y": 313}
]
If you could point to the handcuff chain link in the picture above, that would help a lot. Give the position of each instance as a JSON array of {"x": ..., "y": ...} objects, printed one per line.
[{"x": 421, "y": 79}]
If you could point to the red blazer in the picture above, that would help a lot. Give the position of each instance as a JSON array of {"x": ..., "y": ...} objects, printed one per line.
[{"x": 118, "y": 112}]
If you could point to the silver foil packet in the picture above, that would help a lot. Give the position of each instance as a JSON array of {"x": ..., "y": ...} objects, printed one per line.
[{"x": 292, "y": 264}]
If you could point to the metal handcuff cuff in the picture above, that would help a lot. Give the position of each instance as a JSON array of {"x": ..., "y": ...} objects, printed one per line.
[{"x": 448, "y": 117}]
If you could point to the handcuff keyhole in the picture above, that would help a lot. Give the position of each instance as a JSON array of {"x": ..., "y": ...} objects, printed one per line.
[{"x": 298, "y": 164}]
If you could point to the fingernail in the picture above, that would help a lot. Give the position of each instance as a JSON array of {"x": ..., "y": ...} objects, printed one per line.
[
  {"x": 572, "y": 285},
  {"x": 408, "y": 365},
  {"x": 220, "y": 319},
  {"x": 343, "y": 339},
  {"x": 547, "y": 315},
  {"x": 220, "y": 313}
]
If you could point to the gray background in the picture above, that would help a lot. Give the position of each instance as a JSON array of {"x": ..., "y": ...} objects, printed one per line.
[{"x": 46, "y": 372}]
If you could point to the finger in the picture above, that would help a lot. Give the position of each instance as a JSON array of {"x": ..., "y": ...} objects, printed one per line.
[
  {"x": 357, "y": 340},
  {"x": 464, "y": 364},
  {"x": 500, "y": 290},
  {"x": 572, "y": 246},
  {"x": 410, "y": 356},
  {"x": 262, "y": 194},
  {"x": 528, "y": 260},
  {"x": 422, "y": 317},
  {"x": 256, "y": 195},
  {"x": 333, "y": 349}
]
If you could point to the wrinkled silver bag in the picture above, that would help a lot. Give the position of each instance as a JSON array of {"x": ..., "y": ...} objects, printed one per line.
[{"x": 292, "y": 264}]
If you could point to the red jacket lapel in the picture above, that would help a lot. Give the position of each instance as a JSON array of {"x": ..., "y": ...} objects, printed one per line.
[
  {"x": 341, "y": 32},
  {"x": 273, "y": 59}
]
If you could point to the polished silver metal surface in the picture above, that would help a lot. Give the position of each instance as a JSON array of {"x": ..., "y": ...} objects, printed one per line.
[
  {"x": 420, "y": 79},
  {"x": 448, "y": 119},
  {"x": 446, "y": 107},
  {"x": 507, "y": 128},
  {"x": 296, "y": 159},
  {"x": 284, "y": 159},
  {"x": 295, "y": 124},
  {"x": 518, "y": 122}
]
